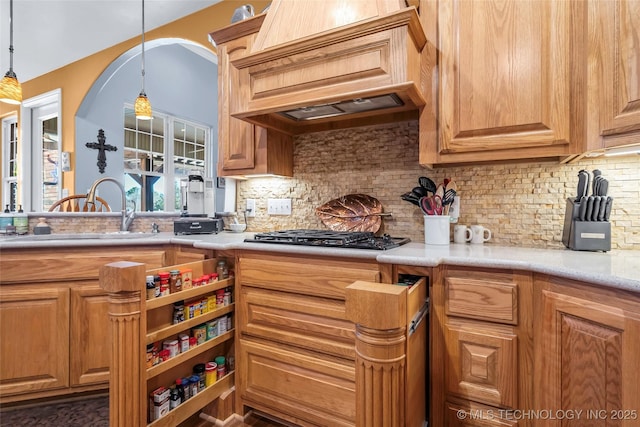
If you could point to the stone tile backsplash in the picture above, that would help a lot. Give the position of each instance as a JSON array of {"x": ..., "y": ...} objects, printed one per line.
[{"x": 522, "y": 203}]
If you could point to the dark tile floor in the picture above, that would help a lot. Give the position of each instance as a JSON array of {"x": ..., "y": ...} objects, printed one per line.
[
  {"x": 83, "y": 413},
  {"x": 90, "y": 412}
]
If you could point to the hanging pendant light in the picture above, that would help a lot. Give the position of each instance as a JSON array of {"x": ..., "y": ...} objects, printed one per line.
[
  {"x": 142, "y": 107},
  {"x": 10, "y": 89}
]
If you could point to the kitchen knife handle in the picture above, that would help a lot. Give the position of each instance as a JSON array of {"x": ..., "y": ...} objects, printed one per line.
[
  {"x": 603, "y": 207},
  {"x": 587, "y": 215},
  {"x": 582, "y": 210},
  {"x": 607, "y": 210},
  {"x": 583, "y": 184},
  {"x": 596, "y": 209},
  {"x": 603, "y": 187}
]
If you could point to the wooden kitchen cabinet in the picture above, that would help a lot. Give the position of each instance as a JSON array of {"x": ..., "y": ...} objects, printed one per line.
[
  {"x": 137, "y": 322},
  {"x": 34, "y": 337},
  {"x": 587, "y": 353},
  {"x": 509, "y": 81},
  {"x": 55, "y": 319},
  {"x": 481, "y": 345},
  {"x": 391, "y": 352},
  {"x": 243, "y": 148},
  {"x": 613, "y": 73},
  {"x": 89, "y": 335},
  {"x": 296, "y": 348}
]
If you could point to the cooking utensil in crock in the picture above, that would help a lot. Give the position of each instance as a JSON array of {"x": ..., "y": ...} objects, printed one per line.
[
  {"x": 420, "y": 191},
  {"x": 411, "y": 197},
  {"x": 427, "y": 184},
  {"x": 431, "y": 205},
  {"x": 449, "y": 195}
]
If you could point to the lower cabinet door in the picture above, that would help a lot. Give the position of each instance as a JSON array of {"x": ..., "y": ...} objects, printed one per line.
[
  {"x": 587, "y": 358},
  {"x": 90, "y": 338},
  {"x": 482, "y": 363},
  {"x": 34, "y": 337},
  {"x": 297, "y": 386}
]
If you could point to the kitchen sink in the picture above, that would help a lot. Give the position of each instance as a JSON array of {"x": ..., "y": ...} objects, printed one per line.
[{"x": 83, "y": 236}]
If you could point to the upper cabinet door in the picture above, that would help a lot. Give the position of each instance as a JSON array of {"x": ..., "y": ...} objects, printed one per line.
[
  {"x": 236, "y": 138},
  {"x": 506, "y": 88},
  {"x": 614, "y": 73}
]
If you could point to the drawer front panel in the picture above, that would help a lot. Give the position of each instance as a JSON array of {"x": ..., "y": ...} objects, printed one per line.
[
  {"x": 310, "y": 322},
  {"x": 318, "y": 391},
  {"x": 493, "y": 298},
  {"x": 73, "y": 264},
  {"x": 482, "y": 364},
  {"x": 308, "y": 276}
]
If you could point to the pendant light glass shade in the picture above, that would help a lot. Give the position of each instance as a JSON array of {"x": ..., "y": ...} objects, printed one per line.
[
  {"x": 10, "y": 89},
  {"x": 142, "y": 107}
]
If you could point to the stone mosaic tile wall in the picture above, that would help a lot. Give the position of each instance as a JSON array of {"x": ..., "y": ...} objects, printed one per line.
[
  {"x": 522, "y": 203},
  {"x": 99, "y": 223}
]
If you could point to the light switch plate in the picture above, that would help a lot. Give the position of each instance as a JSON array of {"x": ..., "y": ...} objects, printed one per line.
[{"x": 279, "y": 206}]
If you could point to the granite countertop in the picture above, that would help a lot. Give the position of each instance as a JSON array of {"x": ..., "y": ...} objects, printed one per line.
[{"x": 618, "y": 268}]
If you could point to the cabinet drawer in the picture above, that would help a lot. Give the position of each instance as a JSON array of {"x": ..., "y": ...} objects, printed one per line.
[
  {"x": 482, "y": 363},
  {"x": 309, "y": 276},
  {"x": 70, "y": 264},
  {"x": 485, "y": 296},
  {"x": 320, "y": 391},
  {"x": 313, "y": 323}
]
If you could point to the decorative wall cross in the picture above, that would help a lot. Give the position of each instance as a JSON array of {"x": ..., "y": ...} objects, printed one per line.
[{"x": 101, "y": 147}]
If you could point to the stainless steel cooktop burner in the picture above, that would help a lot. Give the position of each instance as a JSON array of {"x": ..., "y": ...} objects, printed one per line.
[{"x": 328, "y": 238}]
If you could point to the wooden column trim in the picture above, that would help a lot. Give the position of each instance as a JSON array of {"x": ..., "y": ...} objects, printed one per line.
[
  {"x": 380, "y": 352},
  {"x": 127, "y": 378}
]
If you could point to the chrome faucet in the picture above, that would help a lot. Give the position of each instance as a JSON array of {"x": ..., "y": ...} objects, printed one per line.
[{"x": 127, "y": 217}]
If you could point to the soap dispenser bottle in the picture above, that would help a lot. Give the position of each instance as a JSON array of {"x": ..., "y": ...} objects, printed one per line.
[
  {"x": 21, "y": 221},
  {"x": 6, "y": 219}
]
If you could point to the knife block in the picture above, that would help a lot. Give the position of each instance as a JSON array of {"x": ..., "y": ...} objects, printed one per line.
[{"x": 584, "y": 235}]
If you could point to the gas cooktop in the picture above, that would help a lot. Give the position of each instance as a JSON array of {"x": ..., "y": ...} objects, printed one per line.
[{"x": 328, "y": 238}]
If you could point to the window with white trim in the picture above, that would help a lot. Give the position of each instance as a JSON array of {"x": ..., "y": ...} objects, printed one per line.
[
  {"x": 158, "y": 153},
  {"x": 10, "y": 163}
]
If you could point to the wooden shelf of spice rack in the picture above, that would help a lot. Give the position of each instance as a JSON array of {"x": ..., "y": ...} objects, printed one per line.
[{"x": 137, "y": 322}]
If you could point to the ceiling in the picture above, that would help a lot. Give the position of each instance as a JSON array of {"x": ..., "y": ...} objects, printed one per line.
[{"x": 48, "y": 34}]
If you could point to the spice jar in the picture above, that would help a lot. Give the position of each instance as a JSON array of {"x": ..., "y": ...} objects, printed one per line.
[
  {"x": 227, "y": 297},
  {"x": 151, "y": 288},
  {"x": 175, "y": 281},
  {"x": 156, "y": 283},
  {"x": 199, "y": 370},
  {"x": 222, "y": 368},
  {"x": 164, "y": 283},
  {"x": 220, "y": 297},
  {"x": 222, "y": 270},
  {"x": 178, "y": 312},
  {"x": 211, "y": 373},
  {"x": 174, "y": 400},
  {"x": 194, "y": 381},
  {"x": 187, "y": 277}
]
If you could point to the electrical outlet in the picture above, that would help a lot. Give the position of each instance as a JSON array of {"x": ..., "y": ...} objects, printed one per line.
[
  {"x": 279, "y": 206},
  {"x": 251, "y": 207}
]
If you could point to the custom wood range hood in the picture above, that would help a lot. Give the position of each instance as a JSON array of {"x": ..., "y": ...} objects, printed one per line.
[{"x": 317, "y": 65}]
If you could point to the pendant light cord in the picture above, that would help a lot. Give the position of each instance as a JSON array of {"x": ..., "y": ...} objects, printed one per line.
[
  {"x": 143, "y": 91},
  {"x": 11, "y": 73}
]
